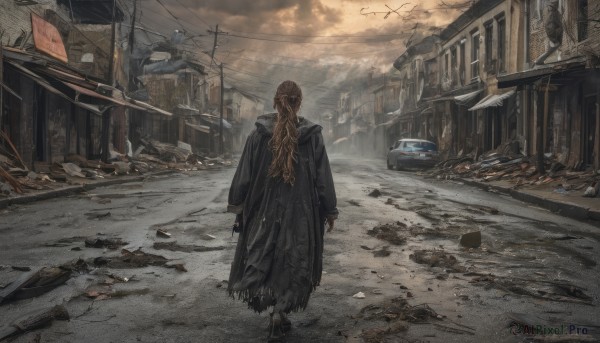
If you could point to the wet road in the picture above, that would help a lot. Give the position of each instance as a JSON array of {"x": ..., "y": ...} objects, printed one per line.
[{"x": 532, "y": 266}]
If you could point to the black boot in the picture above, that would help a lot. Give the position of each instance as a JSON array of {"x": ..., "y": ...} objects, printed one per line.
[
  {"x": 286, "y": 323},
  {"x": 275, "y": 329}
]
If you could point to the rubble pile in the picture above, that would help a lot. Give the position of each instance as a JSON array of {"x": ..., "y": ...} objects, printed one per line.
[
  {"x": 17, "y": 178},
  {"x": 519, "y": 170}
]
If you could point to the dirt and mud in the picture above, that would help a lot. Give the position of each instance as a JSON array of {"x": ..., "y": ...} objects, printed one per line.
[{"x": 397, "y": 242}]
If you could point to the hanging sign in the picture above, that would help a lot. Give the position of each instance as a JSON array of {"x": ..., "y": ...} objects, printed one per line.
[{"x": 47, "y": 39}]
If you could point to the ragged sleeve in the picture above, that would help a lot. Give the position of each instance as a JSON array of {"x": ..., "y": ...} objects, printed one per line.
[
  {"x": 243, "y": 176},
  {"x": 324, "y": 182}
]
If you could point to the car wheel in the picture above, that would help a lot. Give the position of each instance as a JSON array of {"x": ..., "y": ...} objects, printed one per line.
[
  {"x": 388, "y": 164},
  {"x": 398, "y": 166}
]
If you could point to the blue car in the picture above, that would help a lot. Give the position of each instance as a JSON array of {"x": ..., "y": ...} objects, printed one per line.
[{"x": 412, "y": 153}]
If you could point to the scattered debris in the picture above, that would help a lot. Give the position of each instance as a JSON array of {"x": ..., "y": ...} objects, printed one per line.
[
  {"x": 173, "y": 246},
  {"x": 132, "y": 259},
  {"x": 176, "y": 265},
  {"x": 72, "y": 169},
  {"x": 112, "y": 244},
  {"x": 94, "y": 215},
  {"x": 437, "y": 258},
  {"x": 21, "y": 269},
  {"x": 471, "y": 239},
  {"x": 34, "y": 321},
  {"x": 378, "y": 334},
  {"x": 539, "y": 289},
  {"x": 592, "y": 191},
  {"x": 389, "y": 232},
  {"x": 163, "y": 233},
  {"x": 359, "y": 295},
  {"x": 33, "y": 284},
  {"x": 108, "y": 294},
  {"x": 354, "y": 203},
  {"x": 376, "y": 193},
  {"x": 502, "y": 164},
  {"x": 207, "y": 237},
  {"x": 399, "y": 309},
  {"x": 383, "y": 252}
]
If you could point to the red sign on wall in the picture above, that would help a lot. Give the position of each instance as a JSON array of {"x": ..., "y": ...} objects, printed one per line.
[{"x": 47, "y": 38}]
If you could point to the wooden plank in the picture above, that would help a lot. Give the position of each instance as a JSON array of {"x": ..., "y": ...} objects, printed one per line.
[
  {"x": 596, "y": 161},
  {"x": 1, "y": 83},
  {"x": 14, "y": 286},
  {"x": 5, "y": 137}
]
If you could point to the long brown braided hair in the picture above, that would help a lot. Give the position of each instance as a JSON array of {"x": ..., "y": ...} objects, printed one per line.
[{"x": 284, "y": 143}]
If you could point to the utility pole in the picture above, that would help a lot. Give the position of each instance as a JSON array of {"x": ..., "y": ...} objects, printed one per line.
[
  {"x": 216, "y": 33},
  {"x": 221, "y": 110},
  {"x": 212, "y": 54},
  {"x": 212, "y": 59},
  {"x": 131, "y": 44},
  {"x": 1, "y": 83},
  {"x": 111, "y": 79}
]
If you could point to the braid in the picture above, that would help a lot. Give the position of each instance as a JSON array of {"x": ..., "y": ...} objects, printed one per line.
[{"x": 284, "y": 143}]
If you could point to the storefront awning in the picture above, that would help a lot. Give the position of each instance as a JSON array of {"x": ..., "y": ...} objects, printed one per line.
[
  {"x": 340, "y": 140},
  {"x": 46, "y": 85},
  {"x": 201, "y": 128},
  {"x": 492, "y": 101},
  {"x": 91, "y": 93},
  {"x": 466, "y": 98},
  {"x": 148, "y": 107},
  {"x": 214, "y": 121}
]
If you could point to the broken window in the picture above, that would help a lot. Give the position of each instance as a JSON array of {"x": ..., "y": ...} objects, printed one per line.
[
  {"x": 501, "y": 44},
  {"x": 447, "y": 66},
  {"x": 488, "y": 45},
  {"x": 462, "y": 61},
  {"x": 475, "y": 55},
  {"x": 582, "y": 20},
  {"x": 453, "y": 64}
]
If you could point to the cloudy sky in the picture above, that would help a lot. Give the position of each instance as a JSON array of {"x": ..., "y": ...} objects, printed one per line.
[{"x": 319, "y": 43}]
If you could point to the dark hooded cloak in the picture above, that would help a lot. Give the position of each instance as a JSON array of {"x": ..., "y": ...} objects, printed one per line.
[{"x": 279, "y": 254}]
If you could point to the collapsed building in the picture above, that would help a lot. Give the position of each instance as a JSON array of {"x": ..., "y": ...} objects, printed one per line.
[{"x": 517, "y": 76}]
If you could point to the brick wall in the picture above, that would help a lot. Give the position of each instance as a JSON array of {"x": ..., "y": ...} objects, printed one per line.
[
  {"x": 570, "y": 47},
  {"x": 15, "y": 19}
]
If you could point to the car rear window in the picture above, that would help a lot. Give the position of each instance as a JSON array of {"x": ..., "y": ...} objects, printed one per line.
[{"x": 419, "y": 146}]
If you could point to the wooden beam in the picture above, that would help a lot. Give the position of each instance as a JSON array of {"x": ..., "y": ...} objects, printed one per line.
[
  {"x": 597, "y": 131},
  {"x": 545, "y": 126}
]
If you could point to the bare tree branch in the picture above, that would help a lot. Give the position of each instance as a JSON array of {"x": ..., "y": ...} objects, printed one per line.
[{"x": 387, "y": 13}]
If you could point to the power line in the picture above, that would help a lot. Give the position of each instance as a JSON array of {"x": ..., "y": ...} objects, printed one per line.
[
  {"x": 268, "y": 63},
  {"x": 296, "y": 42},
  {"x": 319, "y": 36},
  {"x": 195, "y": 14}
]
